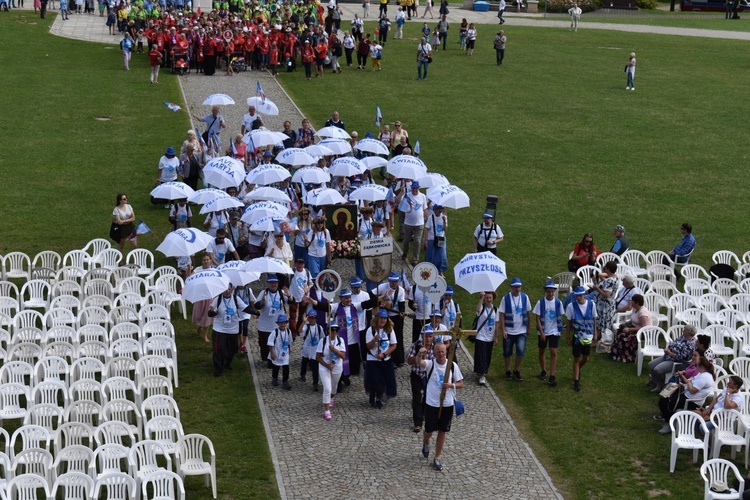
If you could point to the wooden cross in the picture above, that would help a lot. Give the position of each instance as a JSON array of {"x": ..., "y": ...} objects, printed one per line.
[{"x": 456, "y": 333}]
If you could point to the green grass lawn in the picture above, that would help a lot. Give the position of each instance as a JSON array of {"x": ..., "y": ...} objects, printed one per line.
[
  {"x": 61, "y": 171},
  {"x": 568, "y": 150},
  {"x": 698, "y": 21}
]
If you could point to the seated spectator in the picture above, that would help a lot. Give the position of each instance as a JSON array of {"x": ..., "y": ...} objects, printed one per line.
[
  {"x": 584, "y": 253},
  {"x": 681, "y": 253},
  {"x": 693, "y": 390},
  {"x": 730, "y": 399},
  {"x": 625, "y": 345},
  {"x": 621, "y": 244},
  {"x": 678, "y": 351},
  {"x": 704, "y": 342},
  {"x": 625, "y": 293}
]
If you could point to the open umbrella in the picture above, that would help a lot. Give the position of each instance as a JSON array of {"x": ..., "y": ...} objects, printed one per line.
[
  {"x": 224, "y": 172},
  {"x": 172, "y": 191},
  {"x": 266, "y": 223},
  {"x": 374, "y": 146},
  {"x": 324, "y": 196},
  {"x": 333, "y": 132},
  {"x": 433, "y": 179},
  {"x": 205, "y": 284},
  {"x": 295, "y": 157},
  {"x": 261, "y": 137},
  {"x": 449, "y": 196},
  {"x": 264, "y": 106},
  {"x": 372, "y": 162},
  {"x": 480, "y": 272},
  {"x": 221, "y": 203},
  {"x": 268, "y": 194},
  {"x": 237, "y": 276},
  {"x": 263, "y": 209},
  {"x": 318, "y": 150},
  {"x": 406, "y": 167},
  {"x": 346, "y": 167},
  {"x": 370, "y": 192},
  {"x": 267, "y": 174},
  {"x": 267, "y": 265},
  {"x": 338, "y": 146},
  {"x": 311, "y": 175},
  {"x": 218, "y": 100},
  {"x": 206, "y": 194},
  {"x": 184, "y": 242}
]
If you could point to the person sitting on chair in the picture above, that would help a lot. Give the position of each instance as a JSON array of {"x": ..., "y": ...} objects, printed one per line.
[
  {"x": 621, "y": 244},
  {"x": 681, "y": 253}
]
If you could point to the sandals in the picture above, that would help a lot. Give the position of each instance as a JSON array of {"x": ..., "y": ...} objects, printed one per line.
[{"x": 658, "y": 417}]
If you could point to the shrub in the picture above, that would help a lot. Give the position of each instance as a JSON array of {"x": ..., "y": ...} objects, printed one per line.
[
  {"x": 647, "y": 4},
  {"x": 564, "y": 5}
]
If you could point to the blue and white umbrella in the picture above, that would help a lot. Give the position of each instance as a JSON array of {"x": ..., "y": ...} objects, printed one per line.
[
  {"x": 184, "y": 242},
  {"x": 374, "y": 146},
  {"x": 264, "y": 106},
  {"x": 267, "y": 265},
  {"x": 268, "y": 224},
  {"x": 369, "y": 192},
  {"x": 433, "y": 179},
  {"x": 338, "y": 146},
  {"x": 318, "y": 150},
  {"x": 237, "y": 276},
  {"x": 267, "y": 194},
  {"x": 406, "y": 167},
  {"x": 333, "y": 133},
  {"x": 172, "y": 191},
  {"x": 311, "y": 175},
  {"x": 295, "y": 157},
  {"x": 372, "y": 162},
  {"x": 205, "y": 284},
  {"x": 224, "y": 172},
  {"x": 221, "y": 203},
  {"x": 263, "y": 209},
  {"x": 262, "y": 137},
  {"x": 346, "y": 167},
  {"x": 324, "y": 196},
  {"x": 448, "y": 196},
  {"x": 267, "y": 174},
  {"x": 479, "y": 272},
  {"x": 205, "y": 195},
  {"x": 218, "y": 100}
]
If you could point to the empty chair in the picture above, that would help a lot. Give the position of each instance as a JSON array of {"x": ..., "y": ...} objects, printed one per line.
[
  {"x": 742, "y": 343},
  {"x": 29, "y": 335},
  {"x": 17, "y": 372},
  {"x": 166, "y": 430},
  {"x": 661, "y": 272},
  {"x": 153, "y": 385},
  {"x": 62, "y": 334},
  {"x": 87, "y": 333},
  {"x": 61, "y": 349},
  {"x": 109, "y": 458},
  {"x": 114, "y": 432},
  {"x": 27, "y": 486},
  {"x": 60, "y": 317},
  {"x": 94, "y": 249},
  {"x": 51, "y": 392},
  {"x": 150, "y": 365},
  {"x": 94, "y": 315},
  {"x": 73, "y": 485},
  {"x": 73, "y": 458},
  {"x": 16, "y": 265},
  {"x": 48, "y": 259},
  {"x": 127, "y": 413},
  {"x": 679, "y": 303},
  {"x": 731, "y": 319},
  {"x": 123, "y": 314},
  {"x": 49, "y": 416},
  {"x": 147, "y": 457},
  {"x": 636, "y": 261},
  {"x": 28, "y": 436},
  {"x": 645, "y": 285},
  {"x": 158, "y": 273},
  {"x": 77, "y": 259},
  {"x": 35, "y": 294},
  {"x": 726, "y": 288},
  {"x": 164, "y": 346},
  {"x": 4, "y": 342},
  {"x": 124, "y": 331},
  {"x": 66, "y": 287},
  {"x": 7, "y": 473},
  {"x": 658, "y": 307},
  {"x": 564, "y": 282},
  {"x": 173, "y": 284},
  {"x": 159, "y": 405},
  {"x": 695, "y": 287},
  {"x": 73, "y": 434},
  {"x": 119, "y": 388},
  {"x": 86, "y": 368},
  {"x": 10, "y": 290},
  {"x": 120, "y": 274},
  {"x": 157, "y": 327},
  {"x": 121, "y": 367},
  {"x": 658, "y": 258},
  {"x": 97, "y": 301},
  {"x": 9, "y": 307},
  {"x": 605, "y": 257},
  {"x": 648, "y": 344},
  {"x": 134, "y": 284},
  {"x": 712, "y": 303},
  {"x": 44, "y": 273},
  {"x": 25, "y": 351},
  {"x": 694, "y": 271},
  {"x": 98, "y": 287},
  {"x": 86, "y": 390},
  {"x": 115, "y": 486},
  {"x": 740, "y": 302},
  {"x": 52, "y": 368},
  {"x": 586, "y": 275},
  {"x": 153, "y": 312},
  {"x": 716, "y": 471},
  {"x": 130, "y": 348},
  {"x": 128, "y": 299},
  {"x": 109, "y": 259},
  {"x": 36, "y": 461},
  {"x": 191, "y": 461},
  {"x": 94, "y": 349},
  {"x": 98, "y": 273},
  {"x": 69, "y": 273},
  {"x": 159, "y": 297},
  {"x": 142, "y": 258},
  {"x": 28, "y": 318},
  {"x": 683, "y": 425},
  {"x": 696, "y": 317},
  {"x": 164, "y": 484},
  {"x": 726, "y": 257},
  {"x": 720, "y": 336},
  {"x": 741, "y": 367},
  {"x": 727, "y": 431}
]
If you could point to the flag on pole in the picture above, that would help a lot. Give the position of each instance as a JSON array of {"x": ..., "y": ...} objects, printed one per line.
[
  {"x": 140, "y": 228},
  {"x": 234, "y": 149},
  {"x": 416, "y": 147},
  {"x": 174, "y": 107},
  {"x": 378, "y": 116},
  {"x": 259, "y": 91}
]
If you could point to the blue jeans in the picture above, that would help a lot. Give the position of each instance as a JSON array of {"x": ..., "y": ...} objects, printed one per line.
[
  {"x": 519, "y": 341},
  {"x": 422, "y": 64},
  {"x": 300, "y": 253},
  {"x": 315, "y": 265},
  {"x": 631, "y": 82}
]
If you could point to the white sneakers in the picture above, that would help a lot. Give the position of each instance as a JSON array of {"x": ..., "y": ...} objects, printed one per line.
[{"x": 482, "y": 380}]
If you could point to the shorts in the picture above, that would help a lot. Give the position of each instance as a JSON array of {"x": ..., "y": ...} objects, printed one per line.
[
  {"x": 431, "y": 421},
  {"x": 470, "y": 44},
  {"x": 581, "y": 350},
  {"x": 551, "y": 341},
  {"x": 519, "y": 340}
]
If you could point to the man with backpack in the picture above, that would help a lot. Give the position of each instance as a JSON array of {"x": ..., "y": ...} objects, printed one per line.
[
  {"x": 487, "y": 235},
  {"x": 549, "y": 311},
  {"x": 515, "y": 325},
  {"x": 581, "y": 316},
  {"x": 226, "y": 311}
]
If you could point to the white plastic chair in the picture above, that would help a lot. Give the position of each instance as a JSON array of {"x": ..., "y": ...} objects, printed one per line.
[
  {"x": 97, "y": 301},
  {"x": 164, "y": 346},
  {"x": 86, "y": 390},
  {"x": 109, "y": 259},
  {"x": 85, "y": 411},
  {"x": 142, "y": 258},
  {"x": 153, "y": 312},
  {"x": 98, "y": 273},
  {"x": 29, "y": 436},
  {"x": 130, "y": 348},
  {"x": 696, "y": 317},
  {"x": 51, "y": 392},
  {"x": 35, "y": 294},
  {"x": 94, "y": 315},
  {"x": 37, "y": 461},
  {"x": 173, "y": 285},
  {"x": 73, "y": 458},
  {"x": 115, "y": 486},
  {"x": 98, "y": 287},
  {"x": 17, "y": 372},
  {"x": 61, "y": 349},
  {"x": 697, "y": 287},
  {"x": 7, "y": 472},
  {"x": 727, "y": 431},
  {"x": 742, "y": 341},
  {"x": 159, "y": 297},
  {"x": 124, "y": 331},
  {"x": 731, "y": 319},
  {"x": 683, "y": 425},
  {"x": 711, "y": 304},
  {"x": 93, "y": 332},
  {"x": 741, "y": 367},
  {"x": 66, "y": 287},
  {"x": 154, "y": 385},
  {"x": 25, "y": 487},
  {"x": 69, "y": 273},
  {"x": 605, "y": 257},
  {"x": 190, "y": 458},
  {"x": 150, "y": 365},
  {"x": 62, "y": 333},
  {"x": 48, "y": 259},
  {"x": 127, "y": 413},
  {"x": 694, "y": 271},
  {"x": 719, "y": 336},
  {"x": 60, "y": 317},
  {"x": 645, "y": 286},
  {"x": 16, "y": 265},
  {"x": 658, "y": 258},
  {"x": 585, "y": 275},
  {"x": 726, "y": 257},
  {"x": 49, "y": 416},
  {"x": 25, "y": 351},
  {"x": 165, "y": 484},
  {"x": 28, "y": 318},
  {"x": 564, "y": 282},
  {"x": 73, "y": 434},
  {"x": 94, "y": 249},
  {"x": 52, "y": 368},
  {"x": 9, "y": 307},
  {"x": 679, "y": 303},
  {"x": 120, "y": 388},
  {"x": 30, "y": 335},
  {"x": 128, "y": 299},
  {"x": 636, "y": 261},
  {"x": 121, "y": 367},
  {"x": 158, "y": 273},
  {"x": 77, "y": 259},
  {"x": 119, "y": 274},
  {"x": 123, "y": 314},
  {"x": 648, "y": 344},
  {"x": 658, "y": 307},
  {"x": 114, "y": 432},
  {"x": 109, "y": 458},
  {"x": 661, "y": 272},
  {"x": 73, "y": 485},
  {"x": 158, "y": 406},
  {"x": 726, "y": 288},
  {"x": 157, "y": 327},
  {"x": 740, "y": 302},
  {"x": 134, "y": 284},
  {"x": 716, "y": 471},
  {"x": 86, "y": 368},
  {"x": 147, "y": 457},
  {"x": 94, "y": 349}
]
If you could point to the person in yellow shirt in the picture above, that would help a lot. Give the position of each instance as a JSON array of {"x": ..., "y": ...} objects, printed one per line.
[{"x": 383, "y": 8}]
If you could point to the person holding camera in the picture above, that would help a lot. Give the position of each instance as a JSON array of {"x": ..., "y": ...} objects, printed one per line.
[{"x": 435, "y": 239}]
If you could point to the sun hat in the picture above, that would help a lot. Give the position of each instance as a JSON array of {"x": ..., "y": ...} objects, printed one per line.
[
  {"x": 272, "y": 278},
  {"x": 516, "y": 282},
  {"x": 382, "y": 313},
  {"x": 579, "y": 290},
  {"x": 282, "y": 319}
]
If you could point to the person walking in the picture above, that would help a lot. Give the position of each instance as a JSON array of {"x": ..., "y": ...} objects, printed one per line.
[
  {"x": 630, "y": 70},
  {"x": 330, "y": 357},
  {"x": 126, "y": 45},
  {"x": 581, "y": 315},
  {"x": 549, "y": 311},
  {"x": 575, "y": 16},
  {"x": 226, "y": 313},
  {"x": 499, "y": 44},
  {"x": 424, "y": 53},
  {"x": 486, "y": 339},
  {"x": 442, "y": 28},
  {"x": 515, "y": 325},
  {"x": 413, "y": 205},
  {"x": 279, "y": 347},
  {"x": 154, "y": 59},
  {"x": 418, "y": 374},
  {"x": 500, "y": 9}
]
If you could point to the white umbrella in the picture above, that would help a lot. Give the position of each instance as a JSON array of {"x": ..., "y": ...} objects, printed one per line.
[
  {"x": 296, "y": 157},
  {"x": 221, "y": 203},
  {"x": 373, "y": 162},
  {"x": 480, "y": 272},
  {"x": 237, "y": 276},
  {"x": 333, "y": 132},
  {"x": 433, "y": 179},
  {"x": 267, "y": 174},
  {"x": 449, "y": 196},
  {"x": 264, "y": 106},
  {"x": 370, "y": 192},
  {"x": 172, "y": 191},
  {"x": 262, "y": 137},
  {"x": 205, "y": 284},
  {"x": 184, "y": 242},
  {"x": 318, "y": 150},
  {"x": 224, "y": 172},
  {"x": 206, "y": 194},
  {"x": 268, "y": 194},
  {"x": 218, "y": 100},
  {"x": 311, "y": 175},
  {"x": 372, "y": 146},
  {"x": 266, "y": 223},
  {"x": 267, "y": 265},
  {"x": 324, "y": 196},
  {"x": 406, "y": 167},
  {"x": 346, "y": 167},
  {"x": 338, "y": 146},
  {"x": 263, "y": 209}
]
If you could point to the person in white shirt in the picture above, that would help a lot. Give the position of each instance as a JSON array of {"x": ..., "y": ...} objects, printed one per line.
[
  {"x": 358, "y": 297},
  {"x": 436, "y": 384},
  {"x": 225, "y": 310},
  {"x": 318, "y": 248},
  {"x": 168, "y": 166},
  {"x": 330, "y": 356},
  {"x": 435, "y": 239},
  {"x": 245, "y": 293},
  {"x": 380, "y": 376},
  {"x": 581, "y": 315},
  {"x": 500, "y": 9},
  {"x": 486, "y": 338},
  {"x": 299, "y": 285},
  {"x": 392, "y": 298},
  {"x": 424, "y": 52},
  {"x": 312, "y": 333},
  {"x": 549, "y": 311},
  {"x": 487, "y": 235},
  {"x": 270, "y": 303},
  {"x": 346, "y": 315},
  {"x": 413, "y": 205},
  {"x": 471, "y": 39},
  {"x": 575, "y": 16},
  {"x": 514, "y": 321},
  {"x": 279, "y": 351},
  {"x": 219, "y": 247},
  {"x": 251, "y": 120}
]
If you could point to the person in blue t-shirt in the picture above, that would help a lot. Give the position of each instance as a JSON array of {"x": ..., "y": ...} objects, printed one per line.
[
  {"x": 581, "y": 316},
  {"x": 681, "y": 253}
]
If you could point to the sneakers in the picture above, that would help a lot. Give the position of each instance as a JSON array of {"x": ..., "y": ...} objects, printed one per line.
[
  {"x": 552, "y": 382},
  {"x": 482, "y": 380},
  {"x": 543, "y": 375},
  {"x": 302, "y": 378},
  {"x": 633, "y": 88},
  {"x": 436, "y": 463},
  {"x": 627, "y": 88},
  {"x": 275, "y": 382},
  {"x": 517, "y": 376},
  {"x": 332, "y": 403},
  {"x": 665, "y": 429},
  {"x": 379, "y": 404},
  {"x": 508, "y": 375},
  {"x": 577, "y": 386},
  {"x": 315, "y": 387},
  {"x": 243, "y": 349},
  {"x": 327, "y": 415},
  {"x": 286, "y": 386},
  {"x": 425, "y": 450}
]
